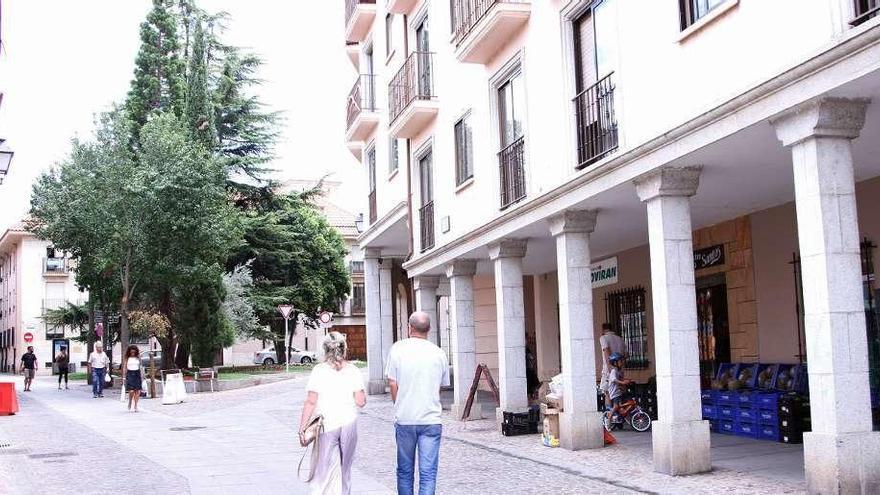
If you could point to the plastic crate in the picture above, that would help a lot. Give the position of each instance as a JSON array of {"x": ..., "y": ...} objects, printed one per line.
[
  {"x": 766, "y": 400},
  {"x": 768, "y": 432},
  {"x": 791, "y": 378},
  {"x": 727, "y": 412},
  {"x": 525, "y": 423},
  {"x": 723, "y": 368},
  {"x": 793, "y": 406},
  {"x": 747, "y": 414},
  {"x": 750, "y": 370},
  {"x": 772, "y": 370},
  {"x": 728, "y": 398},
  {"x": 768, "y": 417},
  {"x": 726, "y": 426},
  {"x": 746, "y": 398},
  {"x": 789, "y": 436},
  {"x": 713, "y": 425},
  {"x": 746, "y": 429},
  {"x": 709, "y": 396},
  {"x": 710, "y": 411},
  {"x": 796, "y": 424}
]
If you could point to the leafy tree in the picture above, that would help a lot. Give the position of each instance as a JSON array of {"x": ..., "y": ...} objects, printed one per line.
[
  {"x": 237, "y": 304},
  {"x": 73, "y": 316}
]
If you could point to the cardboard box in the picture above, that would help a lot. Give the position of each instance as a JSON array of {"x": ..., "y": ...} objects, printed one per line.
[
  {"x": 553, "y": 401},
  {"x": 550, "y": 436}
]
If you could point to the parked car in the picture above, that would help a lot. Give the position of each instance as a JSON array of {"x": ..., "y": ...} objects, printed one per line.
[
  {"x": 157, "y": 359},
  {"x": 268, "y": 357}
]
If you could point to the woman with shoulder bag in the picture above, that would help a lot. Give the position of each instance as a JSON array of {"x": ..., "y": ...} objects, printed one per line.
[{"x": 335, "y": 392}]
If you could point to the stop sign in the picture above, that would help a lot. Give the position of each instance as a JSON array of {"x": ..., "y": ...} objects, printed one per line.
[{"x": 28, "y": 337}]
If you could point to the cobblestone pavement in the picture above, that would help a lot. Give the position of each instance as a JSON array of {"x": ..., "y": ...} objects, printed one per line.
[{"x": 242, "y": 441}]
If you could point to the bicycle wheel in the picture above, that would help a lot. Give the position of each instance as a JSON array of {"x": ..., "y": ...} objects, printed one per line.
[{"x": 640, "y": 421}]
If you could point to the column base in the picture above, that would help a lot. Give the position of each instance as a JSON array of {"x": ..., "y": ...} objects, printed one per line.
[
  {"x": 681, "y": 447},
  {"x": 579, "y": 431},
  {"x": 376, "y": 387},
  {"x": 458, "y": 409},
  {"x": 843, "y": 463}
]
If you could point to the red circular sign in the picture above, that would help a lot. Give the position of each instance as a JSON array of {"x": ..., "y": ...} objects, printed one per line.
[{"x": 28, "y": 337}]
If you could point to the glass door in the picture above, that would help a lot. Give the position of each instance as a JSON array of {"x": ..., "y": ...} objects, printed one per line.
[{"x": 713, "y": 330}]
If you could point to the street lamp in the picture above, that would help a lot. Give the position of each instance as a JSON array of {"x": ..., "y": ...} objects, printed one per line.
[
  {"x": 285, "y": 310},
  {"x": 5, "y": 160},
  {"x": 359, "y": 223}
]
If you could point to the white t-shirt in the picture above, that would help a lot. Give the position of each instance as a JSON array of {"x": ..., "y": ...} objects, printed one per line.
[
  {"x": 98, "y": 359},
  {"x": 335, "y": 389},
  {"x": 420, "y": 368},
  {"x": 614, "y": 343},
  {"x": 133, "y": 364}
]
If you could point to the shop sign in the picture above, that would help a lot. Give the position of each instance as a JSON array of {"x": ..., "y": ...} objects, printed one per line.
[
  {"x": 709, "y": 257},
  {"x": 604, "y": 272}
]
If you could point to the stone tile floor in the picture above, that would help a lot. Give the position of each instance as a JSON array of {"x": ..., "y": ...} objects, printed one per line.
[{"x": 244, "y": 443}]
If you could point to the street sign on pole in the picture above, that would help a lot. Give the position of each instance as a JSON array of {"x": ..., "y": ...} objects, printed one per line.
[
  {"x": 326, "y": 319},
  {"x": 285, "y": 310}
]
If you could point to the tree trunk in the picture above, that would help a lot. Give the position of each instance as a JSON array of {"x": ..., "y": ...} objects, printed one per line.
[
  {"x": 279, "y": 351},
  {"x": 181, "y": 357},
  {"x": 90, "y": 343}
]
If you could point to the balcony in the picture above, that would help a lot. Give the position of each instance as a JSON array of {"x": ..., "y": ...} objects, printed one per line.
[
  {"x": 352, "y": 49},
  {"x": 595, "y": 121},
  {"x": 426, "y": 221},
  {"x": 412, "y": 104},
  {"x": 482, "y": 27},
  {"x": 359, "y": 15},
  {"x": 356, "y": 267},
  {"x": 511, "y": 161},
  {"x": 373, "y": 212},
  {"x": 362, "y": 116},
  {"x": 865, "y": 10},
  {"x": 55, "y": 267},
  {"x": 401, "y": 6}
]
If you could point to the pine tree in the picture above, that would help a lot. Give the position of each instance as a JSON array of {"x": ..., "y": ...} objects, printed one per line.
[{"x": 198, "y": 111}]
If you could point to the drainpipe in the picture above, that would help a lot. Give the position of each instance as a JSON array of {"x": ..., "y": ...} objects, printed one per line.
[{"x": 409, "y": 219}]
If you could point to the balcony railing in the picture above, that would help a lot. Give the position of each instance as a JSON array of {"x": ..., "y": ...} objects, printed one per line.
[
  {"x": 351, "y": 6},
  {"x": 414, "y": 81},
  {"x": 864, "y": 10},
  {"x": 511, "y": 161},
  {"x": 55, "y": 266},
  {"x": 467, "y": 13},
  {"x": 596, "y": 124},
  {"x": 356, "y": 266},
  {"x": 373, "y": 212},
  {"x": 362, "y": 97},
  {"x": 426, "y": 220}
]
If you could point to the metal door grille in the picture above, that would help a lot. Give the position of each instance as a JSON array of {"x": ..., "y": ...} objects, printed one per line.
[{"x": 625, "y": 311}]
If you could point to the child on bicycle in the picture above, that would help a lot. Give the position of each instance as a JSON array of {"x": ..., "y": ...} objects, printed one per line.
[{"x": 616, "y": 384}]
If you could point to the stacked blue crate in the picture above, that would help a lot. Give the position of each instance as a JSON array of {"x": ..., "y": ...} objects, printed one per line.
[{"x": 709, "y": 399}]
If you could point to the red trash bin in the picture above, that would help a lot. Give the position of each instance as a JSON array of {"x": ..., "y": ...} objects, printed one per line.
[{"x": 8, "y": 400}]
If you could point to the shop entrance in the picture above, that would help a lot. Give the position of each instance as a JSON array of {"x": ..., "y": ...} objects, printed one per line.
[
  {"x": 57, "y": 344},
  {"x": 713, "y": 326}
]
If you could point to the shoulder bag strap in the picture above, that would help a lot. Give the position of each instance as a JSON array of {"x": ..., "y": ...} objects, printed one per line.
[{"x": 316, "y": 452}]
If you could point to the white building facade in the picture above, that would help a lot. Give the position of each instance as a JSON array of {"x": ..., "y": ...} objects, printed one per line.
[
  {"x": 720, "y": 163},
  {"x": 35, "y": 278}
]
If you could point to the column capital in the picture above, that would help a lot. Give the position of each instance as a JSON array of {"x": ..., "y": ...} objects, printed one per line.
[
  {"x": 668, "y": 181},
  {"x": 372, "y": 253},
  {"x": 570, "y": 221},
  {"x": 821, "y": 117},
  {"x": 461, "y": 268},
  {"x": 426, "y": 282},
  {"x": 507, "y": 248}
]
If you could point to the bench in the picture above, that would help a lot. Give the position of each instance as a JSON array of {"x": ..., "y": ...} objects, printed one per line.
[{"x": 206, "y": 374}]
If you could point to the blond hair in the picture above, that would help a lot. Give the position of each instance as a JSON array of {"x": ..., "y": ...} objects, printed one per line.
[{"x": 335, "y": 348}]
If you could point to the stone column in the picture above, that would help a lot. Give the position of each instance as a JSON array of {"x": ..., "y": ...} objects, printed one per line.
[
  {"x": 580, "y": 423},
  {"x": 464, "y": 359},
  {"x": 386, "y": 301},
  {"x": 841, "y": 454},
  {"x": 375, "y": 361},
  {"x": 426, "y": 300},
  {"x": 507, "y": 257},
  {"x": 680, "y": 436}
]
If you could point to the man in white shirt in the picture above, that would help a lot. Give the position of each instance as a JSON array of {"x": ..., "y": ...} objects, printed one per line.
[
  {"x": 416, "y": 370},
  {"x": 98, "y": 363},
  {"x": 610, "y": 343}
]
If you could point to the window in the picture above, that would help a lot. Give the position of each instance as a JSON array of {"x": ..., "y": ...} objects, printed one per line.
[
  {"x": 389, "y": 38},
  {"x": 426, "y": 212},
  {"x": 464, "y": 150},
  {"x": 511, "y": 106},
  {"x": 511, "y": 125},
  {"x": 393, "y": 155},
  {"x": 625, "y": 312},
  {"x": 864, "y": 10},
  {"x": 371, "y": 177},
  {"x": 358, "y": 302},
  {"x": 694, "y": 10}
]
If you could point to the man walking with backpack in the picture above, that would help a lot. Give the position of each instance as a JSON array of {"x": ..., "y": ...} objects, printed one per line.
[{"x": 416, "y": 370}]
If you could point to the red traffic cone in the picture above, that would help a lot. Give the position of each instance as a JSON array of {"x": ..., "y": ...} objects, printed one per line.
[{"x": 609, "y": 438}]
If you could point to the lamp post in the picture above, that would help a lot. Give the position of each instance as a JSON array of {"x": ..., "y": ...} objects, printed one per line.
[
  {"x": 5, "y": 161},
  {"x": 359, "y": 223},
  {"x": 285, "y": 310},
  {"x": 152, "y": 366}
]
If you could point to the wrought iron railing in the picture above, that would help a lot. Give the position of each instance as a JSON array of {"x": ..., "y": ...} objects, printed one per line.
[
  {"x": 511, "y": 161},
  {"x": 362, "y": 97},
  {"x": 864, "y": 10},
  {"x": 596, "y": 124},
  {"x": 351, "y": 6},
  {"x": 373, "y": 212},
  {"x": 356, "y": 266},
  {"x": 414, "y": 81},
  {"x": 55, "y": 266},
  {"x": 426, "y": 220},
  {"x": 625, "y": 311},
  {"x": 467, "y": 13}
]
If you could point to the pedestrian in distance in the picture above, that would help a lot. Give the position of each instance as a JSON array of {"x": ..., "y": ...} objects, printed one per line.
[
  {"x": 416, "y": 370},
  {"x": 62, "y": 361},
  {"x": 29, "y": 367},
  {"x": 610, "y": 343},
  {"x": 98, "y": 363},
  {"x": 133, "y": 378},
  {"x": 335, "y": 391}
]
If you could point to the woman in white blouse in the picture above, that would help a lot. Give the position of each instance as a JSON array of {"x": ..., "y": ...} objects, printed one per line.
[
  {"x": 133, "y": 376},
  {"x": 336, "y": 391}
]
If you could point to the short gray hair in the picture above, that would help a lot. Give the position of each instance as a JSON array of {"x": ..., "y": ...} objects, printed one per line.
[
  {"x": 420, "y": 322},
  {"x": 335, "y": 348}
]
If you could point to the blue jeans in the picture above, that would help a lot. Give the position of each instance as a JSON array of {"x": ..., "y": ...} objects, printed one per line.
[
  {"x": 427, "y": 439},
  {"x": 98, "y": 381}
]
